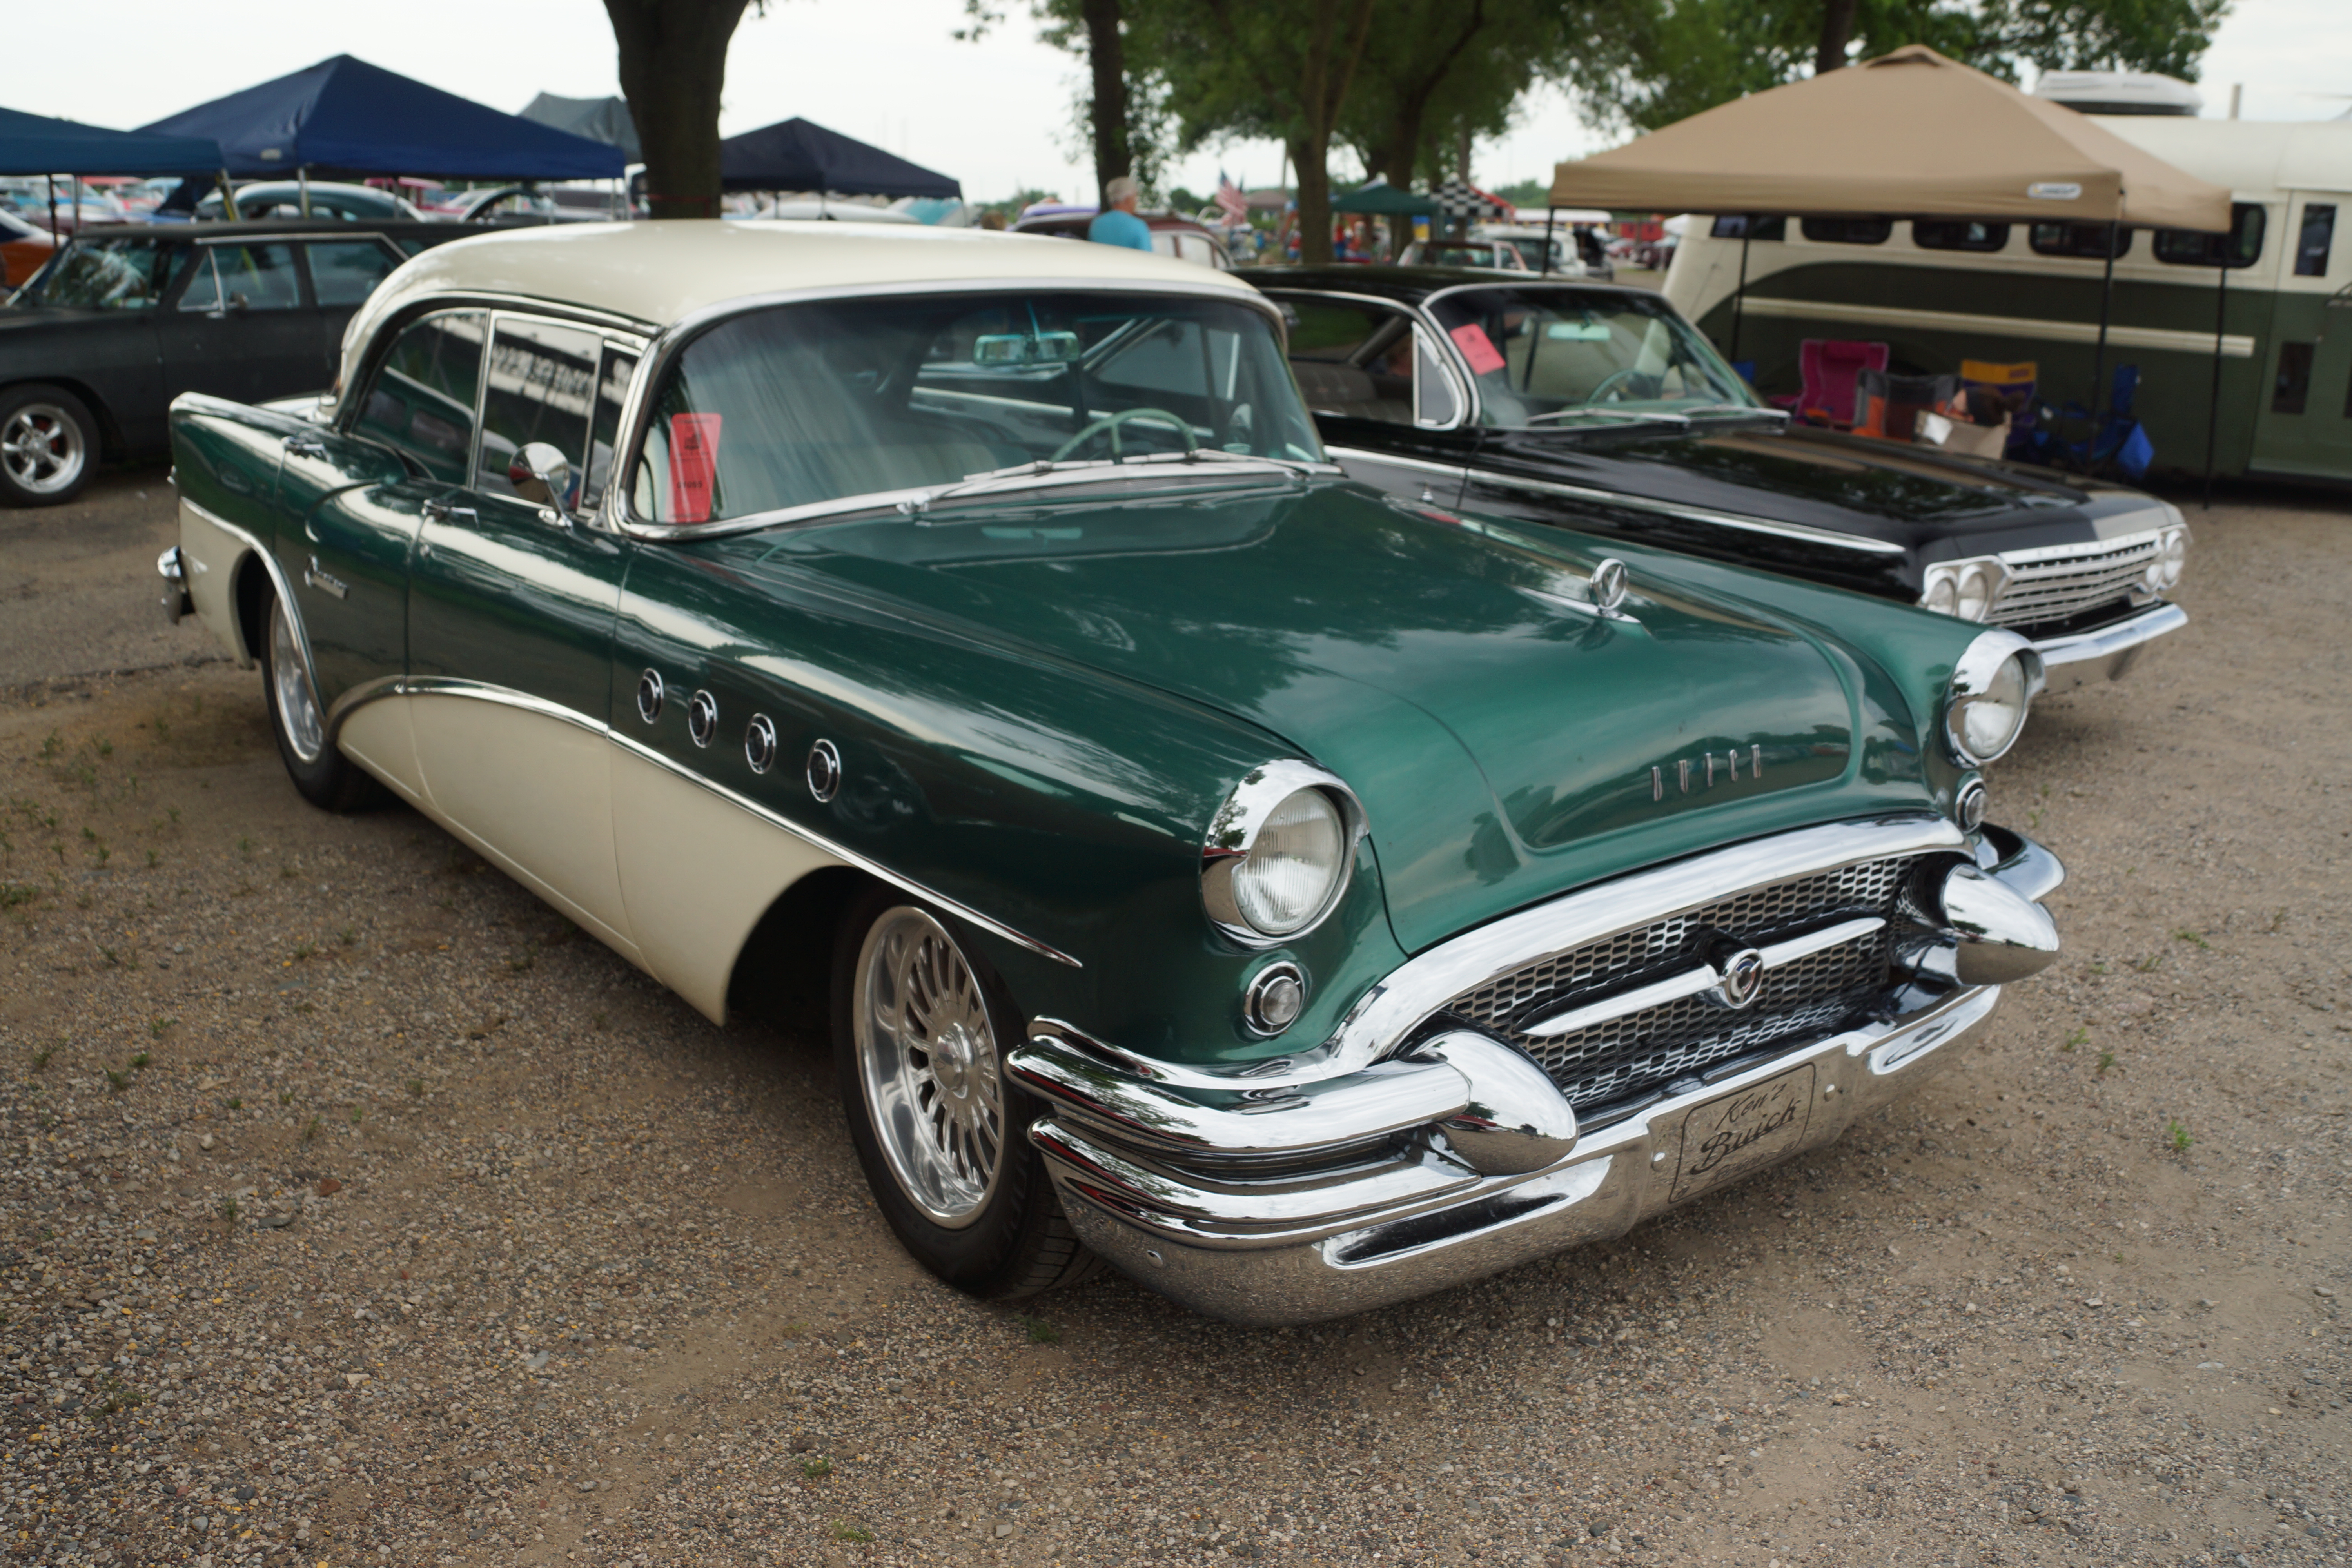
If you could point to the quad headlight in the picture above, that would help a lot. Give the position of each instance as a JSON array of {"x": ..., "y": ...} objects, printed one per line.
[
  {"x": 1278, "y": 854},
  {"x": 1993, "y": 686},
  {"x": 2163, "y": 573},
  {"x": 1969, "y": 589}
]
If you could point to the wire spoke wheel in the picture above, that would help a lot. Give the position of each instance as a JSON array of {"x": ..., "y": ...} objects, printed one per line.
[
  {"x": 927, "y": 1058},
  {"x": 42, "y": 448},
  {"x": 297, "y": 705}
]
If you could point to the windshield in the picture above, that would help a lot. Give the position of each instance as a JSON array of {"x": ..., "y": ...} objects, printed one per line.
[
  {"x": 1544, "y": 355},
  {"x": 806, "y": 404},
  {"x": 117, "y": 273}
]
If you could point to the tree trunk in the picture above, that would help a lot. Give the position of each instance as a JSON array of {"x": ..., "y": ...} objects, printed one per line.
[
  {"x": 1314, "y": 200},
  {"x": 1837, "y": 29},
  {"x": 673, "y": 58},
  {"x": 1332, "y": 56},
  {"x": 1107, "y": 57}
]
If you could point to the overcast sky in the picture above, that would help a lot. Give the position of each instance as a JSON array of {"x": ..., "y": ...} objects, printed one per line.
[{"x": 996, "y": 115}]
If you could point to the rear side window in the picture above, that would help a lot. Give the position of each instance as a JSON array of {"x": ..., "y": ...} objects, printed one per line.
[
  {"x": 2186, "y": 247},
  {"x": 2077, "y": 239},
  {"x": 1737, "y": 226},
  {"x": 2312, "y": 244},
  {"x": 542, "y": 380},
  {"x": 422, "y": 401},
  {"x": 1958, "y": 234},
  {"x": 112, "y": 274},
  {"x": 243, "y": 278},
  {"x": 1848, "y": 230},
  {"x": 1352, "y": 360},
  {"x": 604, "y": 421},
  {"x": 346, "y": 272}
]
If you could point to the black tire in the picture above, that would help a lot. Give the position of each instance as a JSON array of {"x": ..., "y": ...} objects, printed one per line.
[
  {"x": 323, "y": 775},
  {"x": 50, "y": 445},
  {"x": 1016, "y": 1242}
]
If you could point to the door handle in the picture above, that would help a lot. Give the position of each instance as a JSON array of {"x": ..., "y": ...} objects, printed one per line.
[
  {"x": 305, "y": 447},
  {"x": 441, "y": 511}
]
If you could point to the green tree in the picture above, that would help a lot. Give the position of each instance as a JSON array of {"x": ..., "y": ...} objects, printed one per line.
[
  {"x": 673, "y": 60},
  {"x": 1118, "y": 122}
]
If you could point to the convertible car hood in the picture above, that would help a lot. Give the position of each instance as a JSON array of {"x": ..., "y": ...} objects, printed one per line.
[
  {"x": 1901, "y": 493},
  {"x": 1506, "y": 741}
]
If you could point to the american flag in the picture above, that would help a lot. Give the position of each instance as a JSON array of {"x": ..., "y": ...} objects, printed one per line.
[{"x": 1229, "y": 198}]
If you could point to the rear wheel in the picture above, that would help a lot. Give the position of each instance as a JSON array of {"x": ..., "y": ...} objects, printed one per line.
[
  {"x": 920, "y": 1033},
  {"x": 325, "y": 777},
  {"x": 48, "y": 444}
]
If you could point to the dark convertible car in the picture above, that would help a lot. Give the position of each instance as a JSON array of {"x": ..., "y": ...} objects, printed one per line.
[
  {"x": 1601, "y": 409},
  {"x": 126, "y": 318}
]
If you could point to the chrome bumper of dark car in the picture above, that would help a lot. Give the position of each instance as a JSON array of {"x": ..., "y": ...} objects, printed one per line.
[
  {"x": 2106, "y": 654},
  {"x": 1458, "y": 1156}
]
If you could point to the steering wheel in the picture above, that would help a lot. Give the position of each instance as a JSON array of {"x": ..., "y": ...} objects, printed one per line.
[
  {"x": 1111, "y": 422},
  {"x": 1628, "y": 374}
]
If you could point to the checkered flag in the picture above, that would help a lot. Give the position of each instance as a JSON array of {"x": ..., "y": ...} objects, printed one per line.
[{"x": 1460, "y": 200}]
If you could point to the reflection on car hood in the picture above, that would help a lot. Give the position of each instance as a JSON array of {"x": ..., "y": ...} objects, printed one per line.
[{"x": 1503, "y": 741}]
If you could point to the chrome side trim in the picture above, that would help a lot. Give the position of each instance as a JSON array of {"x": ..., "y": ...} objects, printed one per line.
[
  {"x": 481, "y": 692},
  {"x": 276, "y": 577},
  {"x": 1829, "y": 537},
  {"x": 1414, "y": 465}
]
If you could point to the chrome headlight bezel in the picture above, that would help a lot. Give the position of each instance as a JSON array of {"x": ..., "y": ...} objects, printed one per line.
[
  {"x": 1233, "y": 834},
  {"x": 1974, "y": 676},
  {"x": 1944, "y": 587},
  {"x": 2163, "y": 573}
]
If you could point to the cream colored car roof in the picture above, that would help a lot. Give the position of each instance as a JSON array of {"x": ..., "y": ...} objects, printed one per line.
[{"x": 660, "y": 272}]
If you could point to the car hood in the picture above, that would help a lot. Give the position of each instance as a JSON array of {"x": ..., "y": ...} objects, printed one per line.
[
  {"x": 1897, "y": 492},
  {"x": 1505, "y": 743}
]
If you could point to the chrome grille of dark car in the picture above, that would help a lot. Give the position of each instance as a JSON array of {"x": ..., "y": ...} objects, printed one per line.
[
  {"x": 1629, "y": 1055},
  {"x": 2055, "y": 589}
]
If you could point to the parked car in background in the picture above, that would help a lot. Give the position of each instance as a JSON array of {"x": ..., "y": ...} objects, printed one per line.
[
  {"x": 126, "y": 318},
  {"x": 29, "y": 199},
  {"x": 516, "y": 203},
  {"x": 1575, "y": 247},
  {"x": 264, "y": 199},
  {"x": 1488, "y": 255},
  {"x": 1601, "y": 409},
  {"x": 1300, "y": 898},
  {"x": 24, "y": 250},
  {"x": 1173, "y": 234}
]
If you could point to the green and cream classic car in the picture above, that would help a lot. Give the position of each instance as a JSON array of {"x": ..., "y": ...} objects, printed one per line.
[{"x": 1296, "y": 897}]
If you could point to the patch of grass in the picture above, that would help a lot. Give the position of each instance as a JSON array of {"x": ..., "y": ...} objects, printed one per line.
[
  {"x": 2192, "y": 938},
  {"x": 141, "y": 1060},
  {"x": 302, "y": 952},
  {"x": 2177, "y": 1136},
  {"x": 53, "y": 745},
  {"x": 2150, "y": 963},
  {"x": 228, "y": 1210},
  {"x": 174, "y": 813},
  {"x": 14, "y": 893},
  {"x": 245, "y": 847},
  {"x": 156, "y": 1026},
  {"x": 2107, "y": 1060},
  {"x": 845, "y": 1531},
  {"x": 529, "y": 956},
  {"x": 416, "y": 1089},
  {"x": 117, "y": 1082},
  {"x": 2074, "y": 1041},
  {"x": 284, "y": 1097},
  {"x": 358, "y": 1114},
  {"x": 162, "y": 729},
  {"x": 311, "y": 1129},
  {"x": 153, "y": 859},
  {"x": 41, "y": 1058},
  {"x": 237, "y": 1105},
  {"x": 1039, "y": 1330},
  {"x": 816, "y": 1468},
  {"x": 347, "y": 936},
  {"x": 104, "y": 747}
]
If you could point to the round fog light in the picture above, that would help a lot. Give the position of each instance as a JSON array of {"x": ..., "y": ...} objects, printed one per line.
[
  {"x": 1968, "y": 806},
  {"x": 1276, "y": 997}
]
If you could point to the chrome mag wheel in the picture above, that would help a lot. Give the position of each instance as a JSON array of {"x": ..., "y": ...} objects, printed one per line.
[
  {"x": 43, "y": 448},
  {"x": 928, "y": 1061},
  {"x": 297, "y": 705}
]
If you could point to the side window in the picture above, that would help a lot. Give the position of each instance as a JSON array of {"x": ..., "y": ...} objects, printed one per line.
[
  {"x": 1434, "y": 403},
  {"x": 2076, "y": 239},
  {"x": 243, "y": 278},
  {"x": 2311, "y": 246},
  {"x": 421, "y": 403},
  {"x": 1958, "y": 234},
  {"x": 1353, "y": 360},
  {"x": 2243, "y": 244},
  {"x": 1847, "y": 230},
  {"x": 604, "y": 421},
  {"x": 542, "y": 379},
  {"x": 344, "y": 272},
  {"x": 1735, "y": 226}
]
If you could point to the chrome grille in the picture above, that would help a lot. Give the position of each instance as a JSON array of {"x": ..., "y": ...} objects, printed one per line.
[
  {"x": 2047, "y": 586},
  {"x": 1626, "y": 1055}
]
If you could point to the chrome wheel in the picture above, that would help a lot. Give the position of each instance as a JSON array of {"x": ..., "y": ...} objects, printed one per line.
[
  {"x": 927, "y": 1062},
  {"x": 43, "y": 450},
  {"x": 290, "y": 684}
]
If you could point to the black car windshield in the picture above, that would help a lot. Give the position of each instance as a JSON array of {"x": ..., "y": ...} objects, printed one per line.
[
  {"x": 118, "y": 272},
  {"x": 1543, "y": 356},
  {"x": 802, "y": 404}
]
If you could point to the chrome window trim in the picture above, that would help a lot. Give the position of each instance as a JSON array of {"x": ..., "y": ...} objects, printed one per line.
[
  {"x": 1416, "y": 465},
  {"x": 483, "y": 692},
  {"x": 1441, "y": 349},
  {"x": 654, "y": 363},
  {"x": 1805, "y": 532},
  {"x": 619, "y": 330}
]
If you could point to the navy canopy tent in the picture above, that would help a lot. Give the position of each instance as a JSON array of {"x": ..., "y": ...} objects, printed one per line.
[
  {"x": 597, "y": 119},
  {"x": 34, "y": 144},
  {"x": 797, "y": 156},
  {"x": 344, "y": 116}
]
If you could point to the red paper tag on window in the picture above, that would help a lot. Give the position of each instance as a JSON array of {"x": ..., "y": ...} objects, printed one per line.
[
  {"x": 693, "y": 465},
  {"x": 1477, "y": 348}
]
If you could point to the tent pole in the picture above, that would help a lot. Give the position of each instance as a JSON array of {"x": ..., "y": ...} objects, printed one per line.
[
  {"x": 1551, "y": 217},
  {"x": 2213, "y": 403},
  {"x": 53, "y": 209},
  {"x": 2099, "y": 354},
  {"x": 1739, "y": 295}
]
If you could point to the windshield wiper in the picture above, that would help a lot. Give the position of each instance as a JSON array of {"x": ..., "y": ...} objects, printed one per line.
[
  {"x": 1637, "y": 415},
  {"x": 1021, "y": 475},
  {"x": 1751, "y": 408}
]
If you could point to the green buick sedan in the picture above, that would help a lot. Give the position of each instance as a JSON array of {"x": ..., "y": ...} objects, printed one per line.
[{"x": 1298, "y": 898}]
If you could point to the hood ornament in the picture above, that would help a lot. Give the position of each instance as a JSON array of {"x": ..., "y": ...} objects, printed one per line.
[{"x": 1606, "y": 586}]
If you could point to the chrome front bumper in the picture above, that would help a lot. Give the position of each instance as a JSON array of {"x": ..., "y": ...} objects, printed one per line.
[
  {"x": 1455, "y": 1158},
  {"x": 2106, "y": 654}
]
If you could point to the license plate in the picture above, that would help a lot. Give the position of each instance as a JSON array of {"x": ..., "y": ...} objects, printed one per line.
[{"x": 1744, "y": 1130}]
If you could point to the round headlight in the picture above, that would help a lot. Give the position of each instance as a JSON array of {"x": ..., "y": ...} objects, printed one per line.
[
  {"x": 1278, "y": 855},
  {"x": 1943, "y": 595},
  {"x": 2164, "y": 572},
  {"x": 1992, "y": 688},
  {"x": 1975, "y": 594}
]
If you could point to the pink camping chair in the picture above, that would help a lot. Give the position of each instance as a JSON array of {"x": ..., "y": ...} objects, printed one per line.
[{"x": 1831, "y": 367}]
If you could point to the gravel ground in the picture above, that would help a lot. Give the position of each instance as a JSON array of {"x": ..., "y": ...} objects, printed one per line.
[{"x": 357, "y": 1210}]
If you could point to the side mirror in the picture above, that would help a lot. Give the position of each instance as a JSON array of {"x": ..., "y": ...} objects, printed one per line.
[{"x": 541, "y": 473}]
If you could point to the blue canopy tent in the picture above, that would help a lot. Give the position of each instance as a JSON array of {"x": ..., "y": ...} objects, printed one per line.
[
  {"x": 798, "y": 155},
  {"x": 346, "y": 117},
  {"x": 36, "y": 144}
]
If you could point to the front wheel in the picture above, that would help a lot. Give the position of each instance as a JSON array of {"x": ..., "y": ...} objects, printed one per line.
[
  {"x": 48, "y": 446},
  {"x": 325, "y": 776},
  {"x": 919, "y": 1041}
]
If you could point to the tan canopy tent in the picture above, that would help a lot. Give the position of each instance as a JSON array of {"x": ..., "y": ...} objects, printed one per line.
[
  {"x": 1907, "y": 134},
  {"x": 1910, "y": 134}
]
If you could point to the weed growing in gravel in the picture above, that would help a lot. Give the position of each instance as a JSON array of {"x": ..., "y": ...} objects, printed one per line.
[
  {"x": 1040, "y": 1331},
  {"x": 156, "y": 1026},
  {"x": 117, "y": 1082},
  {"x": 162, "y": 729},
  {"x": 245, "y": 847},
  {"x": 284, "y": 1097},
  {"x": 2079, "y": 1038},
  {"x": 53, "y": 745},
  {"x": 816, "y": 1469},
  {"x": 416, "y": 1089},
  {"x": 2149, "y": 964},
  {"x": 237, "y": 1105},
  {"x": 2100, "y": 967},
  {"x": 311, "y": 1129},
  {"x": 302, "y": 950},
  {"x": 152, "y": 860},
  {"x": 358, "y": 1114},
  {"x": 228, "y": 1210},
  {"x": 845, "y": 1531},
  {"x": 2194, "y": 938},
  {"x": 102, "y": 746},
  {"x": 347, "y": 936},
  {"x": 2107, "y": 1060},
  {"x": 2177, "y": 1136},
  {"x": 140, "y": 1061},
  {"x": 41, "y": 1058}
]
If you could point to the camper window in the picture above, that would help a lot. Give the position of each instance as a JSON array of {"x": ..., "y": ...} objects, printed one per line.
[
  {"x": 2187, "y": 248},
  {"x": 1958, "y": 234},
  {"x": 1736, "y": 226},
  {"x": 1848, "y": 230},
  {"x": 2318, "y": 234},
  {"x": 2077, "y": 239}
]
